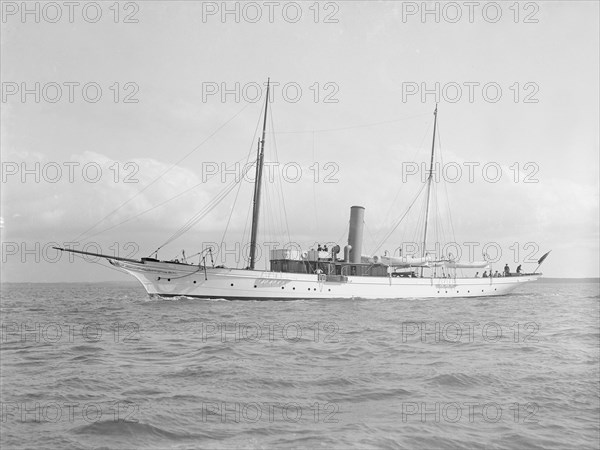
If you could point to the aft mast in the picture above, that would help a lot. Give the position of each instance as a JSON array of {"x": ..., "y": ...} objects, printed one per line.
[
  {"x": 429, "y": 179},
  {"x": 257, "y": 185}
]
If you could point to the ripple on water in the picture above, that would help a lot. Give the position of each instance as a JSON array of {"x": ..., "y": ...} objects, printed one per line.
[{"x": 359, "y": 371}]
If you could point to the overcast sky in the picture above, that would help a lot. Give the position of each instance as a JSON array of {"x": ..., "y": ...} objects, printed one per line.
[{"x": 518, "y": 94}]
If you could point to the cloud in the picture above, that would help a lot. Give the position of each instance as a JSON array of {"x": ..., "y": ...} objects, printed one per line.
[{"x": 90, "y": 188}]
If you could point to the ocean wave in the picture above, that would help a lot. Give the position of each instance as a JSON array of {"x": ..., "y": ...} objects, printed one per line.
[
  {"x": 457, "y": 380},
  {"x": 366, "y": 371},
  {"x": 127, "y": 429}
]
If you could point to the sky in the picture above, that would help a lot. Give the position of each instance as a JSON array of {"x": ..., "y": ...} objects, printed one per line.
[{"x": 114, "y": 121}]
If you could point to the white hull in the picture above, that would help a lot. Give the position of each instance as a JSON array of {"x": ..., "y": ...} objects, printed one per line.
[{"x": 173, "y": 279}]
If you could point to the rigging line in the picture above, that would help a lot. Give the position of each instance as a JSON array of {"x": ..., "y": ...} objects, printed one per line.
[
  {"x": 200, "y": 215},
  {"x": 109, "y": 266},
  {"x": 353, "y": 126},
  {"x": 382, "y": 231},
  {"x": 196, "y": 254},
  {"x": 270, "y": 218},
  {"x": 278, "y": 232},
  {"x": 163, "y": 173},
  {"x": 438, "y": 223},
  {"x": 314, "y": 183},
  {"x": 155, "y": 206},
  {"x": 274, "y": 232},
  {"x": 433, "y": 225},
  {"x": 398, "y": 193},
  {"x": 210, "y": 205},
  {"x": 419, "y": 149},
  {"x": 418, "y": 230},
  {"x": 461, "y": 271},
  {"x": 266, "y": 231},
  {"x": 341, "y": 238},
  {"x": 446, "y": 186},
  {"x": 244, "y": 239},
  {"x": 370, "y": 235},
  {"x": 422, "y": 219},
  {"x": 279, "y": 177},
  {"x": 240, "y": 185},
  {"x": 444, "y": 231},
  {"x": 399, "y": 221},
  {"x": 231, "y": 212},
  {"x": 195, "y": 218},
  {"x": 245, "y": 230}
]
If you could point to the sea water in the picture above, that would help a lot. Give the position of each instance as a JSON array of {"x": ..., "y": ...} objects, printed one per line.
[{"x": 106, "y": 366}]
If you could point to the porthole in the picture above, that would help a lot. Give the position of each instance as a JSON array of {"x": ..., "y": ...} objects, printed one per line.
[
  {"x": 194, "y": 281},
  {"x": 158, "y": 278},
  {"x": 255, "y": 286},
  {"x": 231, "y": 284},
  {"x": 294, "y": 288},
  {"x": 168, "y": 279},
  {"x": 282, "y": 287}
]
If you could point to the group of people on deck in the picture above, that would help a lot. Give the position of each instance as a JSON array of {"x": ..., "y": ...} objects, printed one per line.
[{"x": 506, "y": 273}]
